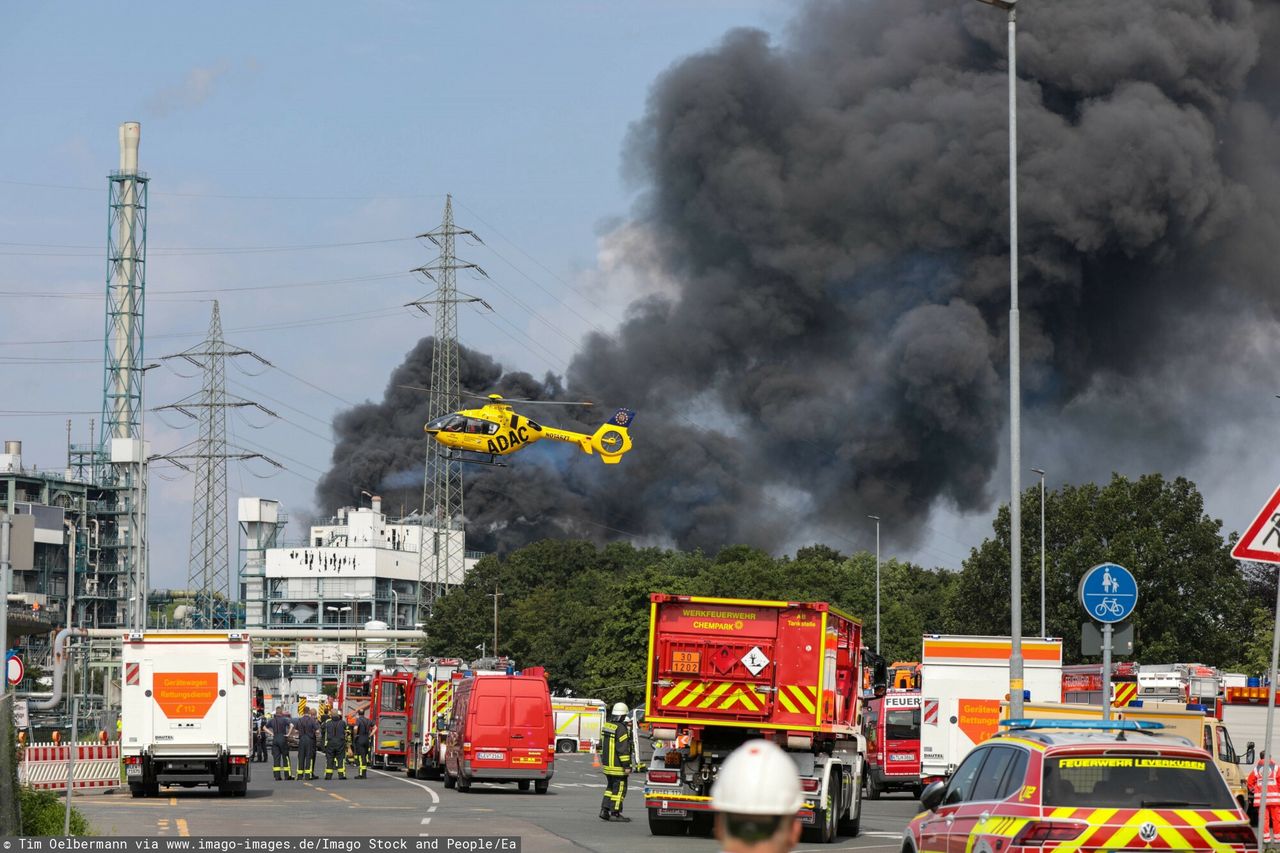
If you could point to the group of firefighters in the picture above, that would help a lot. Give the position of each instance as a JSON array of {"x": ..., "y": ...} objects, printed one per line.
[{"x": 333, "y": 736}]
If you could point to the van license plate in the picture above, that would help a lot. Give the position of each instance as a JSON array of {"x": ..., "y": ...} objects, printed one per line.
[
  {"x": 901, "y": 757},
  {"x": 489, "y": 756},
  {"x": 133, "y": 770}
]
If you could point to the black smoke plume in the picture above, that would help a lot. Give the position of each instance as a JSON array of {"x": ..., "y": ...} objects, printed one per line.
[{"x": 833, "y": 212}]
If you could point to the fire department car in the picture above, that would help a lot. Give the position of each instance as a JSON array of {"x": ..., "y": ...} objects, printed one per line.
[{"x": 1080, "y": 786}]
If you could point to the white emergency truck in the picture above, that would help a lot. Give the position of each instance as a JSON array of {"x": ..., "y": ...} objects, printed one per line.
[
  {"x": 185, "y": 712},
  {"x": 963, "y": 681},
  {"x": 578, "y": 723}
]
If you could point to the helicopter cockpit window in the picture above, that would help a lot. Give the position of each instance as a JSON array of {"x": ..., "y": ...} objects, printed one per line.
[
  {"x": 449, "y": 423},
  {"x": 481, "y": 427}
]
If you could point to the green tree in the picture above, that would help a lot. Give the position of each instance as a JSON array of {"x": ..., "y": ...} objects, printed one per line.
[{"x": 1193, "y": 603}]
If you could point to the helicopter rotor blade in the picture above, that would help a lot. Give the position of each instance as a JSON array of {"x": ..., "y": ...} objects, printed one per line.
[{"x": 498, "y": 398}]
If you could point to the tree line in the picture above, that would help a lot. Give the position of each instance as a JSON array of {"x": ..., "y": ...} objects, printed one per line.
[{"x": 581, "y": 611}]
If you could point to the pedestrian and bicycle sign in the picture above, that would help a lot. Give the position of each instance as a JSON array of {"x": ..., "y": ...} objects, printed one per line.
[
  {"x": 1108, "y": 593},
  {"x": 1261, "y": 540}
]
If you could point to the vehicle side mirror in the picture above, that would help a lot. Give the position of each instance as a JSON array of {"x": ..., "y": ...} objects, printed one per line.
[
  {"x": 1249, "y": 754},
  {"x": 931, "y": 796}
]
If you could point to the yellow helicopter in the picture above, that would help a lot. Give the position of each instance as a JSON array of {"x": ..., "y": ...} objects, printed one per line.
[{"x": 495, "y": 429}]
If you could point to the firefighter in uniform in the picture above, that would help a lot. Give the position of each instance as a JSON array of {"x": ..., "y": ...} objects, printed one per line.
[
  {"x": 308, "y": 728},
  {"x": 362, "y": 742},
  {"x": 279, "y": 727},
  {"x": 615, "y": 759},
  {"x": 333, "y": 736},
  {"x": 1264, "y": 773},
  {"x": 259, "y": 737}
]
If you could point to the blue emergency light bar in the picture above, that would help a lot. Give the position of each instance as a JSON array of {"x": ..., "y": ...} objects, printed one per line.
[
  {"x": 1190, "y": 706},
  {"x": 1097, "y": 725}
]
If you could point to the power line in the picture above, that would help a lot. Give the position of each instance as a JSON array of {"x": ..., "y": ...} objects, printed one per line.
[
  {"x": 236, "y": 197},
  {"x": 188, "y": 251}
]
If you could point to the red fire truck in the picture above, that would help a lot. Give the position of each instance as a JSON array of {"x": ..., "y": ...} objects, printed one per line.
[
  {"x": 892, "y": 725},
  {"x": 355, "y": 693},
  {"x": 722, "y": 671},
  {"x": 1082, "y": 684},
  {"x": 392, "y": 708},
  {"x": 432, "y": 704}
]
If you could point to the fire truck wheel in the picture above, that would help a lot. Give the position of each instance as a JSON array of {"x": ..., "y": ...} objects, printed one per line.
[
  {"x": 702, "y": 825},
  {"x": 524, "y": 784},
  {"x": 449, "y": 780},
  {"x": 873, "y": 787},
  {"x": 825, "y": 832},
  {"x": 541, "y": 786},
  {"x": 851, "y": 823},
  {"x": 464, "y": 785},
  {"x": 565, "y": 746},
  {"x": 137, "y": 791}
]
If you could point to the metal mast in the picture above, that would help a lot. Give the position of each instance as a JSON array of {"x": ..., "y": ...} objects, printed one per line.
[
  {"x": 208, "y": 571},
  {"x": 442, "y": 483},
  {"x": 121, "y": 463}
]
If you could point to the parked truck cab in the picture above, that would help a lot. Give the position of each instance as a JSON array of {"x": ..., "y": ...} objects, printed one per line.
[{"x": 501, "y": 730}]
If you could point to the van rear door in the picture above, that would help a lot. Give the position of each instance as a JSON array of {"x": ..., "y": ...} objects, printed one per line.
[
  {"x": 490, "y": 712},
  {"x": 531, "y": 724}
]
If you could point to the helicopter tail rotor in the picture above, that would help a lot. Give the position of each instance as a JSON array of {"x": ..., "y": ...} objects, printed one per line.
[{"x": 613, "y": 439}]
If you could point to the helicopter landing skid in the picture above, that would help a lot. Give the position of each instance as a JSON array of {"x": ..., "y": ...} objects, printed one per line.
[{"x": 476, "y": 459}]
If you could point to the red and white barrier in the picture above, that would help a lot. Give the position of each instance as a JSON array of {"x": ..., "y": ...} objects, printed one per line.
[{"x": 44, "y": 766}]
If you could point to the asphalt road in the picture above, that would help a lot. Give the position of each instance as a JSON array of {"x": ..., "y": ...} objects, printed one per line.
[{"x": 390, "y": 804}]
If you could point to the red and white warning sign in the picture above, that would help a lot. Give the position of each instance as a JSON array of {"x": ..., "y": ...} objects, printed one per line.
[
  {"x": 1261, "y": 541},
  {"x": 14, "y": 671}
]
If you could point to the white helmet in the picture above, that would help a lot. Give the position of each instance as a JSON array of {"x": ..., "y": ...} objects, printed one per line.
[
  {"x": 620, "y": 709},
  {"x": 757, "y": 779}
]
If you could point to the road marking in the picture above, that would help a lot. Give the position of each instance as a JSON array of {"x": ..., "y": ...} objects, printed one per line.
[
  {"x": 426, "y": 820},
  {"x": 431, "y": 808},
  {"x": 182, "y": 827},
  {"x": 882, "y": 834},
  {"x": 339, "y": 797},
  {"x": 173, "y": 801},
  {"x": 435, "y": 797}
]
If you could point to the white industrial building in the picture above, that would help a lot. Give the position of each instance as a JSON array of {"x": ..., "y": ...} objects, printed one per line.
[{"x": 358, "y": 567}]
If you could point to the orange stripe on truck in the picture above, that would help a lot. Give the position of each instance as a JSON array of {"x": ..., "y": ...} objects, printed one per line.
[{"x": 990, "y": 651}]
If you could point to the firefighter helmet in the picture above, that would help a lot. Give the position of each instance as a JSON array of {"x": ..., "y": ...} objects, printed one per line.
[
  {"x": 620, "y": 709},
  {"x": 757, "y": 779}
]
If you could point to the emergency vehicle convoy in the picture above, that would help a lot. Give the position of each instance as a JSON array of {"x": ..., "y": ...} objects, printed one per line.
[
  {"x": 892, "y": 726},
  {"x": 723, "y": 671},
  {"x": 186, "y": 711}
]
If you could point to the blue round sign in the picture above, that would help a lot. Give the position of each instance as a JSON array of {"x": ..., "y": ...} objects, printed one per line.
[{"x": 1108, "y": 593}]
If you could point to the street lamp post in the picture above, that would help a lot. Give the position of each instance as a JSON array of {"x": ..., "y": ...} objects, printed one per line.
[
  {"x": 495, "y": 595},
  {"x": 876, "y": 519},
  {"x": 1043, "y": 631},
  {"x": 1015, "y": 381}
]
